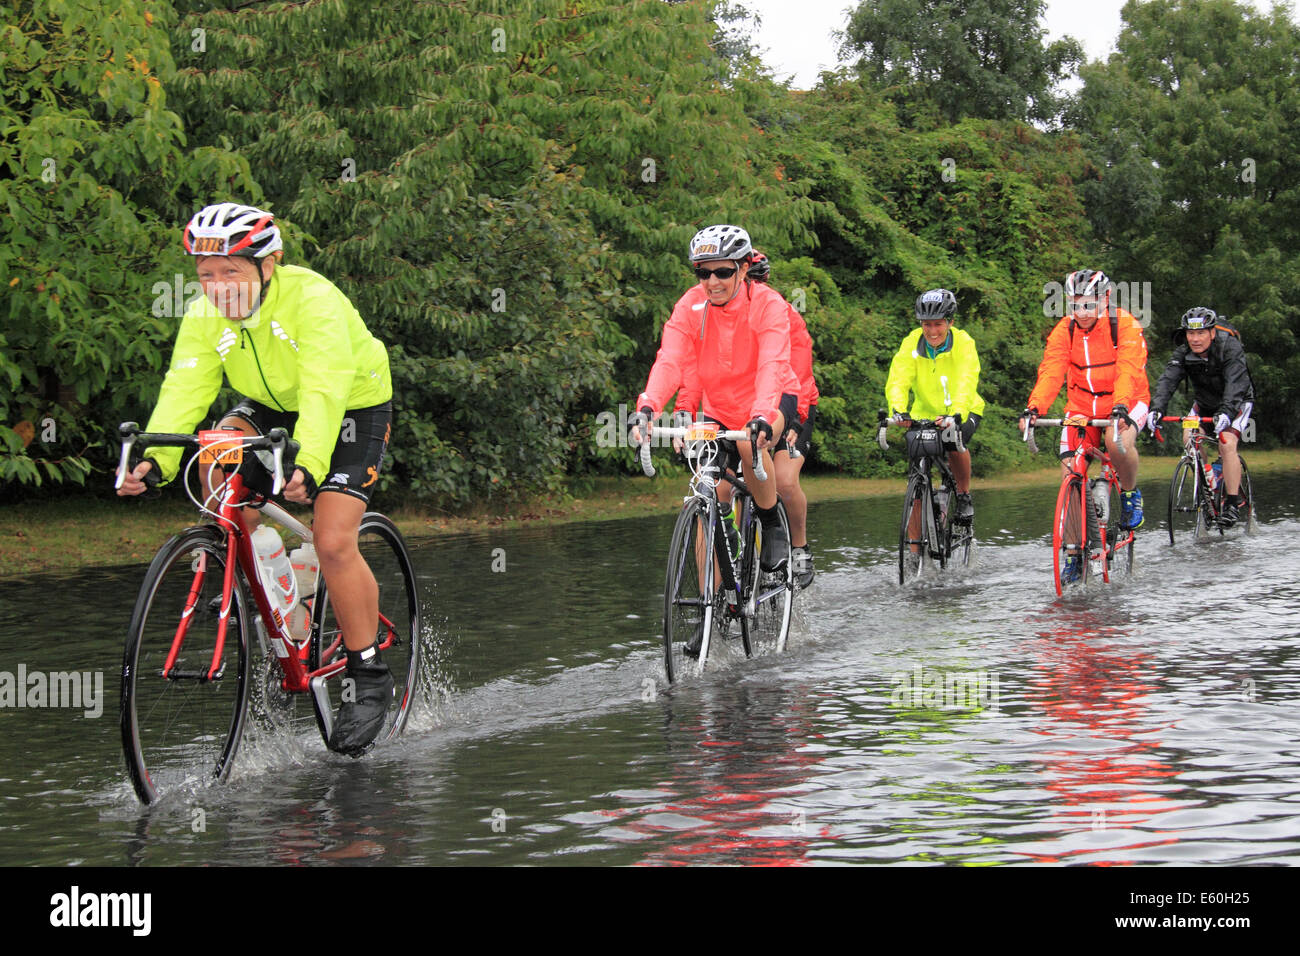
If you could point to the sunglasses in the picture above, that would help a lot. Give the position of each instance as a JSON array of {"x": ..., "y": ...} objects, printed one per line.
[{"x": 726, "y": 272}]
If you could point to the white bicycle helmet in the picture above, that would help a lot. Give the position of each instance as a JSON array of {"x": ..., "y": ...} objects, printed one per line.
[
  {"x": 230, "y": 229},
  {"x": 1086, "y": 282},
  {"x": 720, "y": 242}
]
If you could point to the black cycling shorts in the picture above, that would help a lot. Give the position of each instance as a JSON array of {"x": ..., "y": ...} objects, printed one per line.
[
  {"x": 358, "y": 454},
  {"x": 805, "y": 430}
]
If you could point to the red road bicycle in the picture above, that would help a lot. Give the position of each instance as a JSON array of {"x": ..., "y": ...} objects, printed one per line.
[
  {"x": 197, "y": 651},
  {"x": 1086, "y": 525}
]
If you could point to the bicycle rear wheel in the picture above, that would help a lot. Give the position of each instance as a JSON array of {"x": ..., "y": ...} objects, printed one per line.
[
  {"x": 1070, "y": 523},
  {"x": 771, "y": 595},
  {"x": 688, "y": 593},
  {"x": 911, "y": 563},
  {"x": 1185, "y": 512},
  {"x": 398, "y": 631},
  {"x": 183, "y": 728},
  {"x": 1246, "y": 515}
]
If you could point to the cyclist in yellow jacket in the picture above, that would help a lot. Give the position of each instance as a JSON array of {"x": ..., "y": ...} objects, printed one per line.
[
  {"x": 301, "y": 358},
  {"x": 939, "y": 366}
]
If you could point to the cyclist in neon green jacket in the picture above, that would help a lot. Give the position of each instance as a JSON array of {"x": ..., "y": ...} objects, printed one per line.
[
  {"x": 298, "y": 352},
  {"x": 939, "y": 366}
]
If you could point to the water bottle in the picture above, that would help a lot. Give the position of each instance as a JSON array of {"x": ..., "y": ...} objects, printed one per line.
[
  {"x": 941, "y": 504},
  {"x": 306, "y": 567},
  {"x": 277, "y": 573},
  {"x": 1101, "y": 499},
  {"x": 1217, "y": 469},
  {"x": 306, "y": 571}
]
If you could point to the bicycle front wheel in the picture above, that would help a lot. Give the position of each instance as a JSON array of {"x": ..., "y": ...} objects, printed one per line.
[
  {"x": 688, "y": 593},
  {"x": 1184, "y": 507},
  {"x": 1119, "y": 541},
  {"x": 1070, "y": 560},
  {"x": 398, "y": 632},
  {"x": 772, "y": 595},
  {"x": 182, "y": 727},
  {"x": 913, "y": 547}
]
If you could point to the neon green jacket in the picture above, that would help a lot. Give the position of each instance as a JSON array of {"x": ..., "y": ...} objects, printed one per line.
[
  {"x": 305, "y": 350},
  {"x": 912, "y": 371}
]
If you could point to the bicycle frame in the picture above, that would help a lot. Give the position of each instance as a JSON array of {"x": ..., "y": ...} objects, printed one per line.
[
  {"x": 1076, "y": 470},
  {"x": 734, "y": 585},
  {"x": 1208, "y": 491},
  {"x": 935, "y": 529},
  {"x": 225, "y": 504}
]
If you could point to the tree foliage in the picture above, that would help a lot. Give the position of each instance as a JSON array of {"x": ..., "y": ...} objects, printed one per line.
[
  {"x": 1194, "y": 122},
  {"x": 92, "y": 175},
  {"x": 962, "y": 58}
]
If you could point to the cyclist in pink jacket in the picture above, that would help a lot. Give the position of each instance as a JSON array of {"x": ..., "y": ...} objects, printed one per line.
[
  {"x": 798, "y": 432},
  {"x": 727, "y": 347}
]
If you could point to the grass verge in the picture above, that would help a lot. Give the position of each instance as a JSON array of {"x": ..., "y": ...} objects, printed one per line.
[{"x": 65, "y": 535}]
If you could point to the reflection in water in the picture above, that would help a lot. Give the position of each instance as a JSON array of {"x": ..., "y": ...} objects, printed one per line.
[{"x": 1091, "y": 681}]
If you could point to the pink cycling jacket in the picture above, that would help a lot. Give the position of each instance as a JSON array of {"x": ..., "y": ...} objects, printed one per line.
[{"x": 736, "y": 358}]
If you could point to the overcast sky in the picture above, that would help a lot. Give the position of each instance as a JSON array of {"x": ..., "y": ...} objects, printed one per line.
[{"x": 795, "y": 36}]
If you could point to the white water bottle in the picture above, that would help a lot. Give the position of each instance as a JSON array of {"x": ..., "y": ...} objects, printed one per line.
[
  {"x": 306, "y": 567},
  {"x": 277, "y": 573},
  {"x": 306, "y": 570}
]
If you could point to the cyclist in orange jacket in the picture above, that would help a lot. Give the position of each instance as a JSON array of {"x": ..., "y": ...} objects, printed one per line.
[{"x": 1103, "y": 366}]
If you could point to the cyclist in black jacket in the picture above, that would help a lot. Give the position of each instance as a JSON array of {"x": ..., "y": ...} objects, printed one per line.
[{"x": 1212, "y": 357}]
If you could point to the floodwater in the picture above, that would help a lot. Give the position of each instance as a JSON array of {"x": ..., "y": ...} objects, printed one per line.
[{"x": 973, "y": 718}]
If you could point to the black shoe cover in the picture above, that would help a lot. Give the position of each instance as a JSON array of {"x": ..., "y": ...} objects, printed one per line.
[{"x": 361, "y": 716}]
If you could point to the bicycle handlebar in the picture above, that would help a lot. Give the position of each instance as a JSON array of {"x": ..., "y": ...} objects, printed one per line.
[
  {"x": 1073, "y": 421},
  {"x": 885, "y": 423},
  {"x": 276, "y": 441},
  {"x": 736, "y": 435}
]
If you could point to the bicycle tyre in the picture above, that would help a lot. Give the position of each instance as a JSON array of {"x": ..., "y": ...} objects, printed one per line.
[
  {"x": 688, "y": 592},
  {"x": 1185, "y": 512},
  {"x": 1251, "y": 523},
  {"x": 911, "y": 565},
  {"x": 1119, "y": 541},
  {"x": 1070, "y": 502},
  {"x": 384, "y": 550},
  {"x": 771, "y": 594},
  {"x": 182, "y": 730}
]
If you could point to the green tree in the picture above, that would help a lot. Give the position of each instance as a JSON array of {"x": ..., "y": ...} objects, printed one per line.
[
  {"x": 92, "y": 174},
  {"x": 506, "y": 192},
  {"x": 976, "y": 58},
  {"x": 1193, "y": 124}
]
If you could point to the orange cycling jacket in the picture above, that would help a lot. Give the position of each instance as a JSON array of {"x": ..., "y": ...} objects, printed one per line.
[
  {"x": 735, "y": 357},
  {"x": 801, "y": 361},
  {"x": 1097, "y": 375}
]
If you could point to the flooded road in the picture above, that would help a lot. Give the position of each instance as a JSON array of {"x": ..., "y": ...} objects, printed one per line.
[{"x": 974, "y": 718}]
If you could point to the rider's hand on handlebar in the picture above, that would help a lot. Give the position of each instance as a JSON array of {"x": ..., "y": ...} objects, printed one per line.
[
  {"x": 1120, "y": 411},
  {"x": 1027, "y": 418},
  {"x": 1220, "y": 423},
  {"x": 900, "y": 418},
  {"x": 637, "y": 420},
  {"x": 761, "y": 431},
  {"x": 141, "y": 478},
  {"x": 1153, "y": 419},
  {"x": 301, "y": 488}
]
